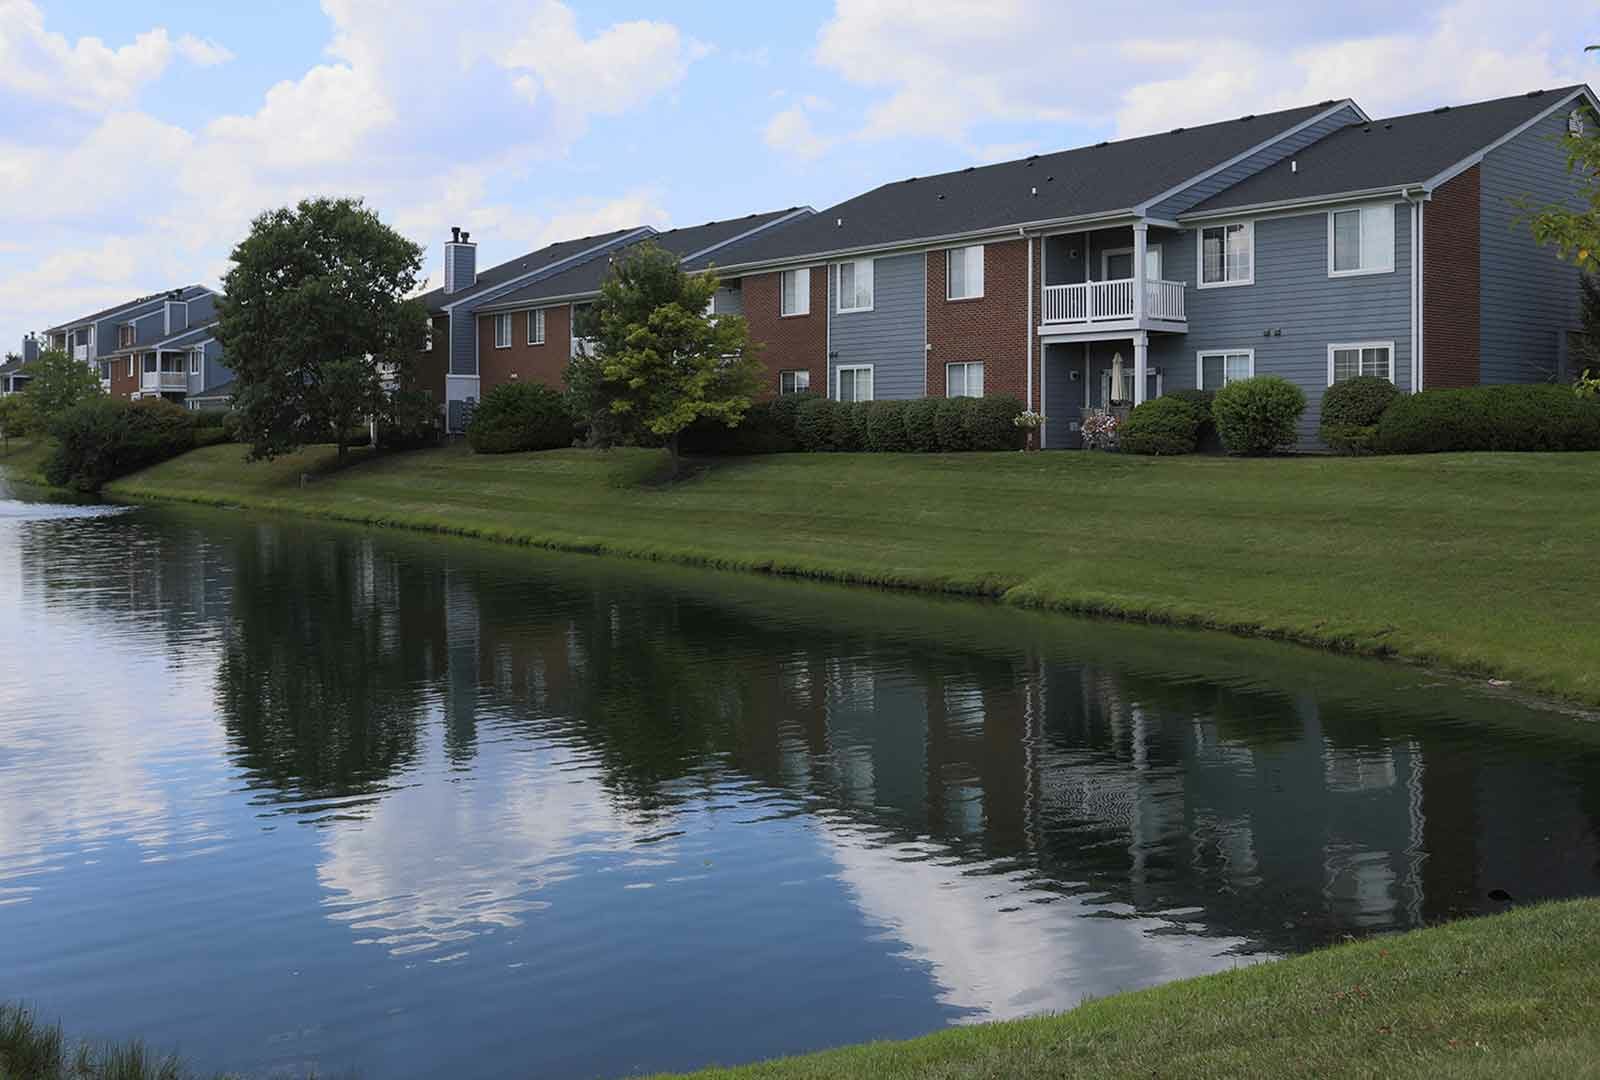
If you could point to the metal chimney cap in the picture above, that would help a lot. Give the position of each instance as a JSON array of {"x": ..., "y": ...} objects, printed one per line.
[{"x": 455, "y": 234}]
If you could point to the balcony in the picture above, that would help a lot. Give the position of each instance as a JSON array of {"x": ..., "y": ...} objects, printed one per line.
[
  {"x": 582, "y": 346},
  {"x": 80, "y": 353},
  {"x": 1112, "y": 301},
  {"x": 164, "y": 381}
]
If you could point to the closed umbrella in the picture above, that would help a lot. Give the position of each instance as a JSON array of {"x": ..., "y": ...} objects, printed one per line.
[{"x": 1117, "y": 396}]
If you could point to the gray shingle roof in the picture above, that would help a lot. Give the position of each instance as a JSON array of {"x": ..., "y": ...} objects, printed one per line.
[
  {"x": 496, "y": 276},
  {"x": 221, "y": 390},
  {"x": 187, "y": 292},
  {"x": 1103, "y": 178},
  {"x": 586, "y": 276},
  {"x": 1388, "y": 153}
]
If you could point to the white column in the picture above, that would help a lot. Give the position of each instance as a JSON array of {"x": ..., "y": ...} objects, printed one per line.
[
  {"x": 1141, "y": 365},
  {"x": 1141, "y": 245},
  {"x": 1088, "y": 290}
]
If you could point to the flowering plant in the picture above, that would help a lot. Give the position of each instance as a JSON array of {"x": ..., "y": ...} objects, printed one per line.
[
  {"x": 1100, "y": 431},
  {"x": 1587, "y": 386},
  {"x": 1029, "y": 421}
]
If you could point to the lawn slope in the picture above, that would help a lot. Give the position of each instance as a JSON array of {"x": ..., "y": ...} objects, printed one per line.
[
  {"x": 1512, "y": 995},
  {"x": 1479, "y": 562}
]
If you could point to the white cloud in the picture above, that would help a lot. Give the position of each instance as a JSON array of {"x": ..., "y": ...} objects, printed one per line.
[
  {"x": 791, "y": 132},
  {"x": 323, "y": 117},
  {"x": 202, "y": 52}
]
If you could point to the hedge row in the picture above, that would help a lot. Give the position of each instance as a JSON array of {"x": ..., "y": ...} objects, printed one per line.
[
  {"x": 812, "y": 423},
  {"x": 515, "y": 417},
  {"x": 104, "y": 438},
  {"x": 1489, "y": 418},
  {"x": 1248, "y": 416}
]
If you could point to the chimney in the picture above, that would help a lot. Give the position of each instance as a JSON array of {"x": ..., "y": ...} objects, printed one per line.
[
  {"x": 460, "y": 261},
  {"x": 30, "y": 349}
]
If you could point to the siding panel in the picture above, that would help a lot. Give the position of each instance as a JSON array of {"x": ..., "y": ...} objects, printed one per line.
[{"x": 892, "y": 336}]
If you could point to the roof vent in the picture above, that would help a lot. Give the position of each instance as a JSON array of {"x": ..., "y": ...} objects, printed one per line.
[
  {"x": 1247, "y": 116},
  {"x": 466, "y": 237},
  {"x": 1099, "y": 144},
  {"x": 1368, "y": 129},
  {"x": 1535, "y": 93},
  {"x": 1294, "y": 166},
  {"x": 838, "y": 223},
  {"x": 969, "y": 168},
  {"x": 1441, "y": 109},
  {"x": 1389, "y": 126},
  {"x": 1176, "y": 130},
  {"x": 1033, "y": 191},
  {"x": 455, "y": 234},
  {"x": 941, "y": 196},
  {"x": 1048, "y": 179}
]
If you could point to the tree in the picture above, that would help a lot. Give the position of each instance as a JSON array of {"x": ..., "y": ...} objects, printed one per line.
[
  {"x": 57, "y": 382},
  {"x": 17, "y": 417},
  {"x": 315, "y": 297},
  {"x": 1575, "y": 233},
  {"x": 661, "y": 362},
  {"x": 1587, "y": 345}
]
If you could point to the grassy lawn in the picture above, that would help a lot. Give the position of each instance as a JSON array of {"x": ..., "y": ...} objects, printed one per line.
[
  {"x": 1480, "y": 562},
  {"x": 22, "y": 460},
  {"x": 1512, "y": 995}
]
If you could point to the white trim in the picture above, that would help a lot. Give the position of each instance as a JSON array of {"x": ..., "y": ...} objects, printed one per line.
[
  {"x": 1028, "y": 326},
  {"x": 966, "y": 377},
  {"x": 532, "y": 321},
  {"x": 1348, "y": 345},
  {"x": 838, "y": 289},
  {"x": 838, "y": 383},
  {"x": 196, "y": 360},
  {"x": 1200, "y": 255},
  {"x": 1106, "y": 253},
  {"x": 1361, "y": 233},
  {"x": 797, "y": 372},
  {"x": 983, "y": 259},
  {"x": 1200, "y": 364},
  {"x": 802, "y": 297},
  {"x": 506, "y": 316},
  {"x": 1472, "y": 159},
  {"x": 1418, "y": 344},
  {"x": 1347, "y": 103}
]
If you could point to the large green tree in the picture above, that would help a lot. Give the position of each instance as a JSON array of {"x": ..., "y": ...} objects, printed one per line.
[
  {"x": 57, "y": 382},
  {"x": 660, "y": 361},
  {"x": 314, "y": 302}
]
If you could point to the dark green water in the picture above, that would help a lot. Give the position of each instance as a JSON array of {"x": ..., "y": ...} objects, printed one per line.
[{"x": 289, "y": 797}]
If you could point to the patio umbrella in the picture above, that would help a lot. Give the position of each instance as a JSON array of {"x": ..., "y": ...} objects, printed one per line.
[{"x": 1116, "y": 378}]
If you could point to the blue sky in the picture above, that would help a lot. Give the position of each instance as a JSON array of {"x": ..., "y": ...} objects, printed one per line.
[{"x": 137, "y": 141}]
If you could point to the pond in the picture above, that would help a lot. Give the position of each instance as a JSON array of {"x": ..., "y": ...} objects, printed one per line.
[{"x": 288, "y": 797}]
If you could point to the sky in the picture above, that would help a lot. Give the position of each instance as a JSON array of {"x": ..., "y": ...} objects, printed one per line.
[{"x": 137, "y": 141}]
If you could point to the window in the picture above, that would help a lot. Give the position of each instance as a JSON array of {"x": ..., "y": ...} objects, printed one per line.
[
  {"x": 1227, "y": 255},
  {"x": 427, "y": 340},
  {"x": 1117, "y": 264},
  {"x": 964, "y": 380},
  {"x": 125, "y": 335},
  {"x": 794, "y": 382},
  {"x": 795, "y": 287},
  {"x": 1361, "y": 240},
  {"x": 502, "y": 331},
  {"x": 963, "y": 278},
  {"x": 130, "y": 365},
  {"x": 1214, "y": 370},
  {"x": 536, "y": 326},
  {"x": 855, "y": 285},
  {"x": 855, "y": 383},
  {"x": 1361, "y": 358},
  {"x": 194, "y": 362}
]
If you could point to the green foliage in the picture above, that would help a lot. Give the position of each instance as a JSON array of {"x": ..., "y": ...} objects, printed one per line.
[
  {"x": 18, "y": 417},
  {"x": 315, "y": 296},
  {"x": 209, "y": 418},
  {"x": 409, "y": 420},
  {"x": 1586, "y": 346},
  {"x": 1351, "y": 409},
  {"x": 1258, "y": 415},
  {"x": 926, "y": 425},
  {"x": 850, "y": 426},
  {"x": 57, "y": 382},
  {"x": 519, "y": 416},
  {"x": 661, "y": 363},
  {"x": 885, "y": 427},
  {"x": 922, "y": 432},
  {"x": 769, "y": 427},
  {"x": 1490, "y": 418},
  {"x": 1587, "y": 384},
  {"x": 1206, "y": 439},
  {"x": 813, "y": 424},
  {"x": 990, "y": 423},
  {"x": 1163, "y": 425},
  {"x": 1574, "y": 232},
  {"x": 950, "y": 424},
  {"x": 104, "y": 438}
]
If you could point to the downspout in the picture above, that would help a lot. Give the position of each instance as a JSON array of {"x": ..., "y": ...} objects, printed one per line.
[
  {"x": 1029, "y": 365},
  {"x": 1417, "y": 309}
]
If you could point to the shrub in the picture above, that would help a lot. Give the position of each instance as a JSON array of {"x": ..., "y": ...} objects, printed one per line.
[
  {"x": 18, "y": 417},
  {"x": 950, "y": 425},
  {"x": 989, "y": 423},
  {"x": 230, "y": 426},
  {"x": 1350, "y": 412},
  {"x": 520, "y": 416},
  {"x": 813, "y": 424},
  {"x": 1258, "y": 415},
  {"x": 919, "y": 417},
  {"x": 1163, "y": 425},
  {"x": 850, "y": 426},
  {"x": 410, "y": 420},
  {"x": 1206, "y": 440},
  {"x": 103, "y": 438},
  {"x": 1490, "y": 418},
  {"x": 210, "y": 418},
  {"x": 768, "y": 427},
  {"x": 886, "y": 427}
]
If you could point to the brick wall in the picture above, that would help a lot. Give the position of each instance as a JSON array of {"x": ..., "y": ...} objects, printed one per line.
[
  {"x": 522, "y": 362},
  {"x": 992, "y": 328},
  {"x": 1451, "y": 274},
  {"x": 789, "y": 343},
  {"x": 124, "y": 385}
]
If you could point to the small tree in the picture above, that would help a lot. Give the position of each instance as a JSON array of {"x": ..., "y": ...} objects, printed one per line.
[
  {"x": 661, "y": 362},
  {"x": 57, "y": 382},
  {"x": 17, "y": 417},
  {"x": 315, "y": 296},
  {"x": 1574, "y": 231}
]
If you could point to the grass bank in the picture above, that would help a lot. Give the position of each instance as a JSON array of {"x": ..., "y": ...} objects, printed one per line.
[
  {"x": 1483, "y": 563},
  {"x": 22, "y": 460},
  {"x": 1511, "y": 995}
]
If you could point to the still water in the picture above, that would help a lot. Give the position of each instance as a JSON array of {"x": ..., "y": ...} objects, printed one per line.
[{"x": 293, "y": 797}]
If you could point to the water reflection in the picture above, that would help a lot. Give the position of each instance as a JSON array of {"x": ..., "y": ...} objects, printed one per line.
[{"x": 648, "y": 819}]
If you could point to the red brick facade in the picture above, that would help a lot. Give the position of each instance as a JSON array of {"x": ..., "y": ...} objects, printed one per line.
[
  {"x": 546, "y": 363},
  {"x": 1451, "y": 273},
  {"x": 789, "y": 342},
  {"x": 992, "y": 328},
  {"x": 123, "y": 385}
]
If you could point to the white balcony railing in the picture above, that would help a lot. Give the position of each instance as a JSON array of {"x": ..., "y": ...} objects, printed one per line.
[
  {"x": 582, "y": 346},
  {"x": 163, "y": 380},
  {"x": 1105, "y": 301},
  {"x": 81, "y": 353}
]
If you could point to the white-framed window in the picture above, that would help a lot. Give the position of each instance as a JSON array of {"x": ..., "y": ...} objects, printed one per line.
[
  {"x": 427, "y": 339},
  {"x": 126, "y": 335},
  {"x": 1116, "y": 264},
  {"x": 1216, "y": 368},
  {"x": 855, "y": 383},
  {"x": 794, "y": 382},
  {"x": 194, "y": 362},
  {"x": 1361, "y": 240},
  {"x": 502, "y": 331},
  {"x": 536, "y": 326},
  {"x": 1346, "y": 361},
  {"x": 855, "y": 285},
  {"x": 964, "y": 379},
  {"x": 794, "y": 289},
  {"x": 130, "y": 365},
  {"x": 1227, "y": 254},
  {"x": 963, "y": 273}
]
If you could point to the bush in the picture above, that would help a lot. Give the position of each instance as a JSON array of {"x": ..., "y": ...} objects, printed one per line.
[
  {"x": 1206, "y": 440},
  {"x": 520, "y": 416},
  {"x": 210, "y": 418},
  {"x": 768, "y": 427},
  {"x": 18, "y": 417},
  {"x": 886, "y": 427},
  {"x": 990, "y": 423},
  {"x": 950, "y": 425},
  {"x": 103, "y": 438},
  {"x": 813, "y": 424},
  {"x": 850, "y": 426},
  {"x": 410, "y": 421},
  {"x": 919, "y": 417},
  {"x": 1163, "y": 425},
  {"x": 1518, "y": 418},
  {"x": 1258, "y": 415},
  {"x": 230, "y": 426},
  {"x": 1350, "y": 412}
]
